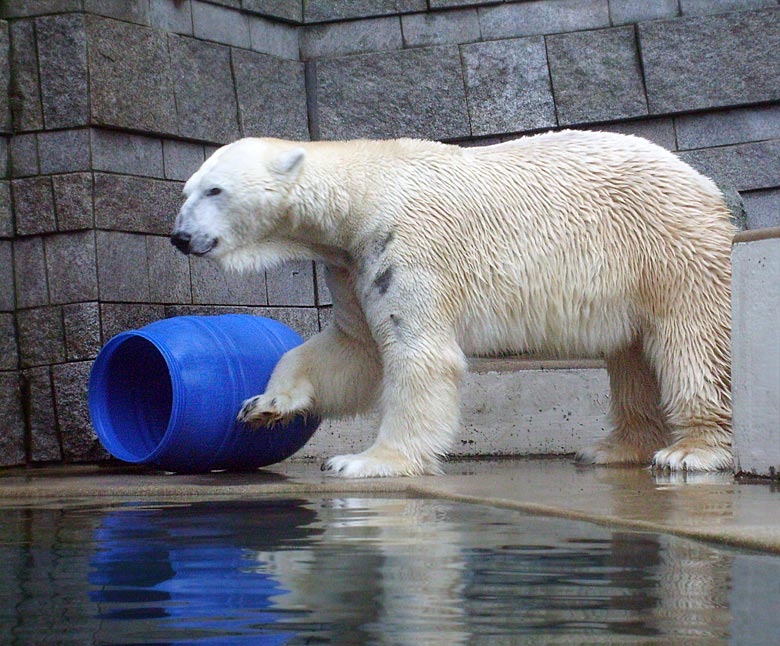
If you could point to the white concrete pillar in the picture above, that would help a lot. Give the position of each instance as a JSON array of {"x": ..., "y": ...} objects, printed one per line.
[{"x": 756, "y": 350}]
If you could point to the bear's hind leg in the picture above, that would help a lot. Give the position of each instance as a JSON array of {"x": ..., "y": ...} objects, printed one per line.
[
  {"x": 640, "y": 427},
  {"x": 693, "y": 368}
]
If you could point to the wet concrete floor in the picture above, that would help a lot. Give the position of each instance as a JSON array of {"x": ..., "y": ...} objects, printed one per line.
[{"x": 711, "y": 507}]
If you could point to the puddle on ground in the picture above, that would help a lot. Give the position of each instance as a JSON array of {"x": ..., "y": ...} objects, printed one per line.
[{"x": 366, "y": 571}]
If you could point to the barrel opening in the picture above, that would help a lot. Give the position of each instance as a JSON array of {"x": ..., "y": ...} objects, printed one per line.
[{"x": 137, "y": 400}]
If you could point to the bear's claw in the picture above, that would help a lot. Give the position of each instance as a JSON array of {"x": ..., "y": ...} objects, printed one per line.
[
  {"x": 262, "y": 411},
  {"x": 686, "y": 456}
]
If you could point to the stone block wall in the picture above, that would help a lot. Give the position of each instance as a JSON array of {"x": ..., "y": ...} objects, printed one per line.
[
  {"x": 110, "y": 105},
  {"x": 699, "y": 78}
]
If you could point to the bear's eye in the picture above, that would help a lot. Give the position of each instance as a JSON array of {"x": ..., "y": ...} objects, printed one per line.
[{"x": 213, "y": 191}]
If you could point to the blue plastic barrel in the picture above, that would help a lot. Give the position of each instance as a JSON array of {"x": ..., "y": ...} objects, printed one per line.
[{"x": 168, "y": 393}]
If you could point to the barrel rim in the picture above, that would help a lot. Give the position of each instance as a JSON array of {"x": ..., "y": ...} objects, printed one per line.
[{"x": 98, "y": 403}]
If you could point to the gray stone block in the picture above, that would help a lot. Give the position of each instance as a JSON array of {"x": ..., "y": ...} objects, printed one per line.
[
  {"x": 79, "y": 441},
  {"x": 596, "y": 76},
  {"x": 220, "y": 24},
  {"x": 7, "y": 296},
  {"x": 181, "y": 159},
  {"x": 303, "y": 320},
  {"x": 122, "y": 267},
  {"x": 274, "y": 38},
  {"x": 73, "y": 194},
  {"x": 130, "y": 77},
  {"x": 725, "y": 127},
  {"x": 354, "y": 37},
  {"x": 11, "y": 421},
  {"x": 508, "y": 86},
  {"x": 711, "y": 61},
  {"x": 209, "y": 150},
  {"x": 4, "y": 155},
  {"x": 6, "y": 215},
  {"x": 120, "y": 152},
  {"x": 323, "y": 293},
  {"x": 62, "y": 57},
  {"x": 736, "y": 207},
  {"x": 203, "y": 85},
  {"x": 233, "y": 4},
  {"x": 26, "y": 99},
  {"x": 136, "y": 11},
  {"x": 440, "y": 28},
  {"x": 213, "y": 286},
  {"x": 71, "y": 267},
  {"x": 325, "y": 10},
  {"x": 291, "y": 10},
  {"x": 82, "y": 330},
  {"x": 658, "y": 130},
  {"x": 9, "y": 355},
  {"x": 542, "y": 17},
  {"x": 26, "y": 8},
  {"x": 414, "y": 92},
  {"x": 624, "y": 12},
  {"x": 41, "y": 336},
  {"x": 119, "y": 317},
  {"x": 448, "y": 4},
  {"x": 745, "y": 167},
  {"x": 207, "y": 310},
  {"x": 33, "y": 205},
  {"x": 30, "y": 272},
  {"x": 325, "y": 316},
  {"x": 44, "y": 440},
  {"x": 174, "y": 17},
  {"x": 169, "y": 272},
  {"x": 264, "y": 83},
  {"x": 5, "y": 78},
  {"x": 23, "y": 155},
  {"x": 702, "y": 7},
  {"x": 291, "y": 284},
  {"x": 64, "y": 151},
  {"x": 136, "y": 204},
  {"x": 763, "y": 208}
]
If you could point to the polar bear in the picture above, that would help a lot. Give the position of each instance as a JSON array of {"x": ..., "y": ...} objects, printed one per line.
[{"x": 568, "y": 244}]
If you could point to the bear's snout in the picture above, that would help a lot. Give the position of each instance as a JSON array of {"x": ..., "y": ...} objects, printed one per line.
[
  {"x": 181, "y": 241},
  {"x": 197, "y": 245}
]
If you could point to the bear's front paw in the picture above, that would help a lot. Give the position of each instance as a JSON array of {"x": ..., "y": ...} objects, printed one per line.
[
  {"x": 268, "y": 410},
  {"x": 692, "y": 455},
  {"x": 377, "y": 464}
]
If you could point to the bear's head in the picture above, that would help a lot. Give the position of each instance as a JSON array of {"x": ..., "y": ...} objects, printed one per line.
[{"x": 237, "y": 201}]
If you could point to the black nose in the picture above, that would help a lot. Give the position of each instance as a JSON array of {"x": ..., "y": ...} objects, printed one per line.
[{"x": 181, "y": 241}]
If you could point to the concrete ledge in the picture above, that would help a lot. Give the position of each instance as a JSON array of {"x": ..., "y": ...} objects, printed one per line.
[
  {"x": 752, "y": 235},
  {"x": 509, "y": 406},
  {"x": 512, "y": 364}
]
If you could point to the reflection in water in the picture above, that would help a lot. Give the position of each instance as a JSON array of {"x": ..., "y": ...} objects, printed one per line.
[
  {"x": 360, "y": 571},
  {"x": 190, "y": 566}
]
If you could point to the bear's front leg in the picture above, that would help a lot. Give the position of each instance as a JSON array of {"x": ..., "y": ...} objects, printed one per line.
[
  {"x": 420, "y": 412},
  {"x": 289, "y": 393},
  {"x": 332, "y": 374}
]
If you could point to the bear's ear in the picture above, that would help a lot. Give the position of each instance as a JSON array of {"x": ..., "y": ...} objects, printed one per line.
[{"x": 289, "y": 163}]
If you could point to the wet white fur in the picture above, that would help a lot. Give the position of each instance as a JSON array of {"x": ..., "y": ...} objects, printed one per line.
[{"x": 569, "y": 243}]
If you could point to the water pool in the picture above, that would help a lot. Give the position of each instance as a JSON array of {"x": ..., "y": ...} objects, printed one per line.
[{"x": 365, "y": 571}]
